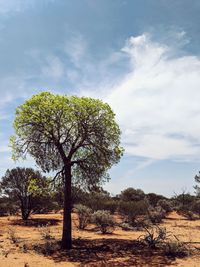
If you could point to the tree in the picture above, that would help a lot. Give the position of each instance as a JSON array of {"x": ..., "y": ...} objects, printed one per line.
[
  {"x": 77, "y": 137},
  {"x": 23, "y": 185},
  {"x": 131, "y": 194},
  {"x": 196, "y": 187},
  {"x": 154, "y": 198}
]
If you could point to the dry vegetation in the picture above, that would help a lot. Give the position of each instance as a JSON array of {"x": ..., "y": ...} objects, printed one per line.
[{"x": 36, "y": 243}]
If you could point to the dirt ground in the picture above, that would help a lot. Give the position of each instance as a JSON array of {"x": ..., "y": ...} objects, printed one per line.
[{"x": 22, "y": 245}]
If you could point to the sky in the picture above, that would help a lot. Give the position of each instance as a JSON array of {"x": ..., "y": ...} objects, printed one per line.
[{"x": 140, "y": 56}]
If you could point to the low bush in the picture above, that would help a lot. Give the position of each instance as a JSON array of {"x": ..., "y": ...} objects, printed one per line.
[
  {"x": 189, "y": 215},
  {"x": 126, "y": 227},
  {"x": 104, "y": 220},
  {"x": 157, "y": 237},
  {"x": 176, "y": 249},
  {"x": 165, "y": 205},
  {"x": 84, "y": 215},
  {"x": 110, "y": 205},
  {"x": 48, "y": 248},
  {"x": 12, "y": 236},
  {"x": 45, "y": 232},
  {"x": 132, "y": 210},
  {"x": 154, "y": 236},
  {"x": 101, "y": 201},
  {"x": 154, "y": 198},
  {"x": 156, "y": 215},
  {"x": 196, "y": 207},
  {"x": 186, "y": 212}
]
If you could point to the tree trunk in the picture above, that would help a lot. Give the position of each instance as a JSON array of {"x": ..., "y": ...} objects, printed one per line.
[{"x": 67, "y": 224}]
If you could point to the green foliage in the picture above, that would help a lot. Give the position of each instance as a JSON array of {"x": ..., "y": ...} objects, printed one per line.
[
  {"x": 156, "y": 215},
  {"x": 77, "y": 137},
  {"x": 84, "y": 215},
  {"x": 104, "y": 220},
  {"x": 184, "y": 204},
  {"x": 132, "y": 210},
  {"x": 196, "y": 207},
  {"x": 8, "y": 206},
  {"x": 52, "y": 128},
  {"x": 131, "y": 194},
  {"x": 165, "y": 205},
  {"x": 154, "y": 198},
  {"x": 184, "y": 200},
  {"x": 101, "y": 201},
  {"x": 24, "y": 187},
  {"x": 154, "y": 236},
  {"x": 196, "y": 187}
]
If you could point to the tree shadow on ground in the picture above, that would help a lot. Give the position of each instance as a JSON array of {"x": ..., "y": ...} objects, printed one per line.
[
  {"x": 36, "y": 222},
  {"x": 111, "y": 253}
]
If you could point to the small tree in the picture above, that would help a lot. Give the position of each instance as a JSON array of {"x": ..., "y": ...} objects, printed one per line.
[
  {"x": 75, "y": 136},
  {"x": 23, "y": 185},
  {"x": 131, "y": 194},
  {"x": 196, "y": 187},
  {"x": 131, "y": 210},
  {"x": 154, "y": 198}
]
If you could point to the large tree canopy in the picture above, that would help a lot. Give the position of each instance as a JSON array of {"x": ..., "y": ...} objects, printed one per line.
[{"x": 74, "y": 135}]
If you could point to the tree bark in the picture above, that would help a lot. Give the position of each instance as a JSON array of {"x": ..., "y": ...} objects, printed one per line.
[{"x": 66, "y": 242}]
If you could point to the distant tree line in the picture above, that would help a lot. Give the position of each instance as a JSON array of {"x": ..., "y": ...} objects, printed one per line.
[{"x": 26, "y": 191}]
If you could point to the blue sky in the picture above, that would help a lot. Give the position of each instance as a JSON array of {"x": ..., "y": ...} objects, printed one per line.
[{"x": 140, "y": 56}]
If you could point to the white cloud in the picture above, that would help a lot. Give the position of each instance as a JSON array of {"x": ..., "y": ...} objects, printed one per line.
[
  {"x": 75, "y": 48},
  {"x": 157, "y": 102}
]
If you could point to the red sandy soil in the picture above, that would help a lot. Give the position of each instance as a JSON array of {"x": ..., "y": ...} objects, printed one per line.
[{"x": 90, "y": 247}]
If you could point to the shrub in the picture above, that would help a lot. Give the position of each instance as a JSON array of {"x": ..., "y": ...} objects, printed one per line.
[
  {"x": 176, "y": 249},
  {"x": 165, "y": 205},
  {"x": 12, "y": 236},
  {"x": 48, "y": 248},
  {"x": 7, "y": 206},
  {"x": 46, "y": 232},
  {"x": 3, "y": 209},
  {"x": 84, "y": 215},
  {"x": 104, "y": 220},
  {"x": 154, "y": 236},
  {"x": 189, "y": 215},
  {"x": 132, "y": 209},
  {"x": 126, "y": 227},
  {"x": 196, "y": 207},
  {"x": 154, "y": 198},
  {"x": 110, "y": 205},
  {"x": 101, "y": 201},
  {"x": 156, "y": 215},
  {"x": 186, "y": 212}
]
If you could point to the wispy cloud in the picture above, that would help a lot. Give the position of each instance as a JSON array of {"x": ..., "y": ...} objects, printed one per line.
[
  {"x": 155, "y": 98},
  {"x": 76, "y": 48},
  {"x": 157, "y": 102},
  {"x": 53, "y": 68}
]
